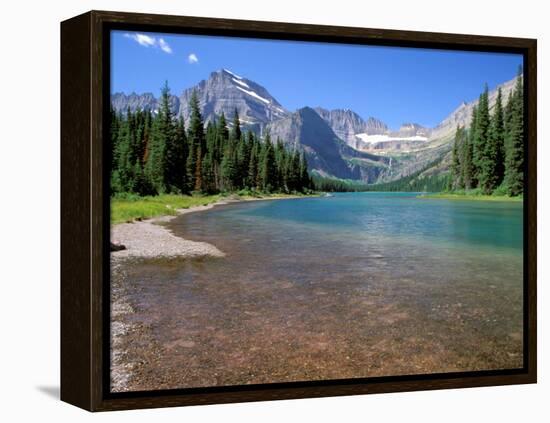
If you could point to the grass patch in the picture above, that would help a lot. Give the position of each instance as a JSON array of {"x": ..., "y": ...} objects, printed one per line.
[
  {"x": 129, "y": 207},
  {"x": 470, "y": 196}
]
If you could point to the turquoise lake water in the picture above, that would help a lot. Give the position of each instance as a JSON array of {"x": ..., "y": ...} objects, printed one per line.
[
  {"x": 475, "y": 223},
  {"x": 354, "y": 285}
]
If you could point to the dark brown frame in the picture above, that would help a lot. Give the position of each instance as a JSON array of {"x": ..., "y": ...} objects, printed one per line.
[{"x": 85, "y": 218}]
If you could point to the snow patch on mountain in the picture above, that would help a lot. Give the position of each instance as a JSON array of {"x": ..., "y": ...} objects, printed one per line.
[
  {"x": 233, "y": 74},
  {"x": 374, "y": 139},
  {"x": 244, "y": 84},
  {"x": 253, "y": 94},
  {"x": 244, "y": 121}
]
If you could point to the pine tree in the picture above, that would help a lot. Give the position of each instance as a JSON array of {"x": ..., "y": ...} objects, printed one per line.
[
  {"x": 183, "y": 151},
  {"x": 513, "y": 173},
  {"x": 147, "y": 135},
  {"x": 113, "y": 130},
  {"x": 467, "y": 166},
  {"x": 293, "y": 171},
  {"x": 210, "y": 166},
  {"x": 229, "y": 170},
  {"x": 236, "y": 130},
  {"x": 173, "y": 160},
  {"x": 268, "y": 167},
  {"x": 163, "y": 154},
  {"x": 281, "y": 162},
  {"x": 140, "y": 183},
  {"x": 208, "y": 173},
  {"x": 305, "y": 181},
  {"x": 468, "y": 162},
  {"x": 491, "y": 150},
  {"x": 508, "y": 116},
  {"x": 456, "y": 180},
  {"x": 222, "y": 128},
  {"x": 253, "y": 165},
  {"x": 481, "y": 135},
  {"x": 125, "y": 167},
  {"x": 243, "y": 158},
  {"x": 196, "y": 142},
  {"x": 496, "y": 144}
]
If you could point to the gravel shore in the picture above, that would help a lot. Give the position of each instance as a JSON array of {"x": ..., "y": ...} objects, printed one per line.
[
  {"x": 149, "y": 239},
  {"x": 142, "y": 239}
]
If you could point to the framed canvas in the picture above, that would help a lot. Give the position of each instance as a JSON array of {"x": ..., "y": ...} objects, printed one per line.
[{"x": 258, "y": 211}]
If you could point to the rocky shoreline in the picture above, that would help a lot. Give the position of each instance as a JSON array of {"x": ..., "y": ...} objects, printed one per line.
[{"x": 149, "y": 239}]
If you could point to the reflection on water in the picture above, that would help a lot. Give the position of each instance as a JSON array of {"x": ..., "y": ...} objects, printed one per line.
[{"x": 356, "y": 285}]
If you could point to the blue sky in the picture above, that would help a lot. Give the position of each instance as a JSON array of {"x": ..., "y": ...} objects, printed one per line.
[{"x": 394, "y": 84}]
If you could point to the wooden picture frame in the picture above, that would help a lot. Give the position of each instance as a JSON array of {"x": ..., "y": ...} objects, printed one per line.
[{"x": 85, "y": 53}]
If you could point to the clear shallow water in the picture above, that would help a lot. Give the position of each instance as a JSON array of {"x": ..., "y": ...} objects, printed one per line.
[{"x": 355, "y": 285}]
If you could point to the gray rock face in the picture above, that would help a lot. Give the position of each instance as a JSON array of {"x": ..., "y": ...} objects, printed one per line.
[
  {"x": 147, "y": 101},
  {"x": 346, "y": 124},
  {"x": 352, "y": 128},
  {"x": 375, "y": 126},
  {"x": 411, "y": 130},
  {"x": 225, "y": 91},
  {"x": 305, "y": 130},
  {"x": 326, "y": 153}
]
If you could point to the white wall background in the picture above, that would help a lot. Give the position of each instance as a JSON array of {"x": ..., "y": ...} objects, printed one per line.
[{"x": 29, "y": 208}]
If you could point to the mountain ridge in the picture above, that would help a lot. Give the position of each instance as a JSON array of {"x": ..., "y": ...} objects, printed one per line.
[{"x": 338, "y": 143}]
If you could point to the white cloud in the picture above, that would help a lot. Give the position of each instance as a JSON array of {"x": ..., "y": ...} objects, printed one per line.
[
  {"x": 149, "y": 41},
  {"x": 164, "y": 46},
  {"x": 192, "y": 58}
]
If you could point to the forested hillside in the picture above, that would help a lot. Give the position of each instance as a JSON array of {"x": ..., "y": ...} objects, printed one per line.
[
  {"x": 154, "y": 153},
  {"x": 489, "y": 155}
]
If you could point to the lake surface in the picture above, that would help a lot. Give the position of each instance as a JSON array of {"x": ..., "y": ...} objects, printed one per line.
[{"x": 355, "y": 285}]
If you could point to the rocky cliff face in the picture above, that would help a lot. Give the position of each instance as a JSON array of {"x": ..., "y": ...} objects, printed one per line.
[
  {"x": 373, "y": 134},
  {"x": 408, "y": 130},
  {"x": 327, "y": 154},
  {"x": 346, "y": 124},
  {"x": 305, "y": 130},
  {"x": 224, "y": 91}
]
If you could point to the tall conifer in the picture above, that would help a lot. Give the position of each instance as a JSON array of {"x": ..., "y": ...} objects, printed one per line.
[
  {"x": 513, "y": 176},
  {"x": 196, "y": 142}
]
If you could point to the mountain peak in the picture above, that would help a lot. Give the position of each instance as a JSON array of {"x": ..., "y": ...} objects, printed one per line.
[
  {"x": 227, "y": 71},
  {"x": 308, "y": 111},
  {"x": 226, "y": 91}
]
